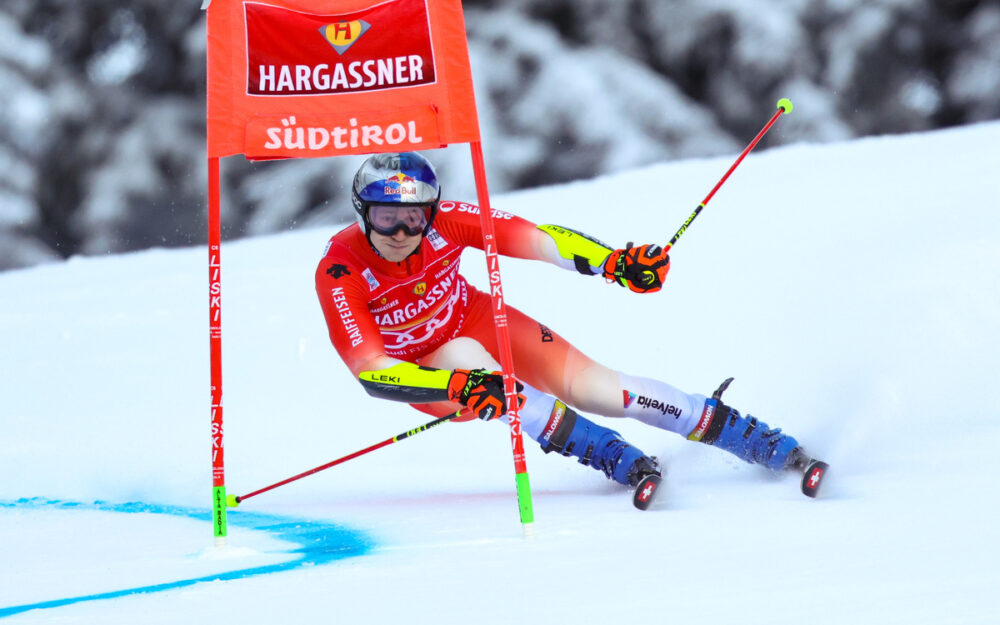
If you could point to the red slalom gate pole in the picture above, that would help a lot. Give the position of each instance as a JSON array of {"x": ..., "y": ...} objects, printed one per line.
[
  {"x": 233, "y": 500},
  {"x": 215, "y": 350},
  {"x": 784, "y": 106},
  {"x": 503, "y": 341}
]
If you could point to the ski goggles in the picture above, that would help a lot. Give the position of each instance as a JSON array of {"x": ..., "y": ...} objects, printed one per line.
[{"x": 388, "y": 219}]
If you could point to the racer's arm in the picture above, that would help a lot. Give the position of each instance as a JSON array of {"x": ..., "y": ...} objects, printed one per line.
[
  {"x": 641, "y": 269},
  {"x": 479, "y": 390},
  {"x": 353, "y": 331},
  {"x": 356, "y": 337}
]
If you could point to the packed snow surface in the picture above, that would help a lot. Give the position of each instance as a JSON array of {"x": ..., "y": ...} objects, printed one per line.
[{"x": 851, "y": 289}]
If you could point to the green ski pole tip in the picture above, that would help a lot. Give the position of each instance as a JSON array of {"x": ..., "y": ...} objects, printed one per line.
[
  {"x": 786, "y": 105},
  {"x": 232, "y": 501}
]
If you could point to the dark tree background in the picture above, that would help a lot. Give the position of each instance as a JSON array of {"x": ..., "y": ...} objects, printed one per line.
[{"x": 102, "y": 103}]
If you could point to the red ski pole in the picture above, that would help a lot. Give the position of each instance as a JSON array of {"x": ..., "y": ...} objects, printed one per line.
[
  {"x": 233, "y": 500},
  {"x": 784, "y": 106}
]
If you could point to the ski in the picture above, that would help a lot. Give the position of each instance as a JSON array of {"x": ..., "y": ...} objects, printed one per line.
[
  {"x": 813, "y": 472},
  {"x": 646, "y": 491},
  {"x": 812, "y": 477}
]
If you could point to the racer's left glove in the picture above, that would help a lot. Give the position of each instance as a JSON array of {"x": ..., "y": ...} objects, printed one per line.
[{"x": 641, "y": 269}]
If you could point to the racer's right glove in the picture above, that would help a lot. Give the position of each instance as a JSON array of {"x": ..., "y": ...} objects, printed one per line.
[{"x": 481, "y": 391}]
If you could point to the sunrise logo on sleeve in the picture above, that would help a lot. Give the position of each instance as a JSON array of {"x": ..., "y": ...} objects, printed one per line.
[{"x": 290, "y": 53}]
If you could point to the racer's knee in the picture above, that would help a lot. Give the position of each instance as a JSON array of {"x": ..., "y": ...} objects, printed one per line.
[
  {"x": 597, "y": 389},
  {"x": 461, "y": 353}
]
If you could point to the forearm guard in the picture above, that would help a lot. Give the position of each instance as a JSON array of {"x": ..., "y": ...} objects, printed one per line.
[
  {"x": 407, "y": 382},
  {"x": 580, "y": 251}
]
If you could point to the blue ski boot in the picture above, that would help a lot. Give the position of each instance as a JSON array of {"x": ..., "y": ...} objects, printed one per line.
[
  {"x": 746, "y": 437},
  {"x": 572, "y": 435}
]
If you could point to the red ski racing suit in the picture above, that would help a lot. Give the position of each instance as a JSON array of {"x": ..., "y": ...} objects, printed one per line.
[{"x": 407, "y": 310}]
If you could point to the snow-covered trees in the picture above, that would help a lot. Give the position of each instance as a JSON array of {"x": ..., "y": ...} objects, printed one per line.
[{"x": 102, "y": 104}]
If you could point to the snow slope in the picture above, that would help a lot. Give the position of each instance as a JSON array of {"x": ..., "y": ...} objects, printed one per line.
[{"x": 851, "y": 289}]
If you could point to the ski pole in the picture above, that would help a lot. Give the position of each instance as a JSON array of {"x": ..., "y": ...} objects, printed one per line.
[
  {"x": 233, "y": 500},
  {"x": 784, "y": 106}
]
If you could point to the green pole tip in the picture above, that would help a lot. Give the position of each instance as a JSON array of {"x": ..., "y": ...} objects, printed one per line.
[
  {"x": 786, "y": 105},
  {"x": 232, "y": 501}
]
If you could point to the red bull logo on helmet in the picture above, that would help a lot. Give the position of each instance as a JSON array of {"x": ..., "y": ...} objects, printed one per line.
[
  {"x": 399, "y": 178},
  {"x": 401, "y": 185}
]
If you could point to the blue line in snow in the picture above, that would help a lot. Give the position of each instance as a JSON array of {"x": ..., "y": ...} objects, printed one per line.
[{"x": 319, "y": 543}]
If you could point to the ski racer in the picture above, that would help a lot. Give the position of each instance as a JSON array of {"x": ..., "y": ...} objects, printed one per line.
[{"x": 410, "y": 328}]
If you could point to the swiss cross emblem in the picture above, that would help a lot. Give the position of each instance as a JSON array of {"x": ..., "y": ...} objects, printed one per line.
[
  {"x": 647, "y": 492},
  {"x": 815, "y": 477}
]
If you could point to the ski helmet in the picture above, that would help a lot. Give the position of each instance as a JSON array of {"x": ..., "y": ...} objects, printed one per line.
[{"x": 396, "y": 181}]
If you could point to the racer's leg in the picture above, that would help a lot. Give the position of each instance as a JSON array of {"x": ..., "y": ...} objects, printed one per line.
[
  {"x": 552, "y": 423},
  {"x": 467, "y": 353},
  {"x": 545, "y": 359}
]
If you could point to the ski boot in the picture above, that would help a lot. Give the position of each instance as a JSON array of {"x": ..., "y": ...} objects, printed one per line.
[
  {"x": 752, "y": 440},
  {"x": 747, "y": 437},
  {"x": 572, "y": 435}
]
